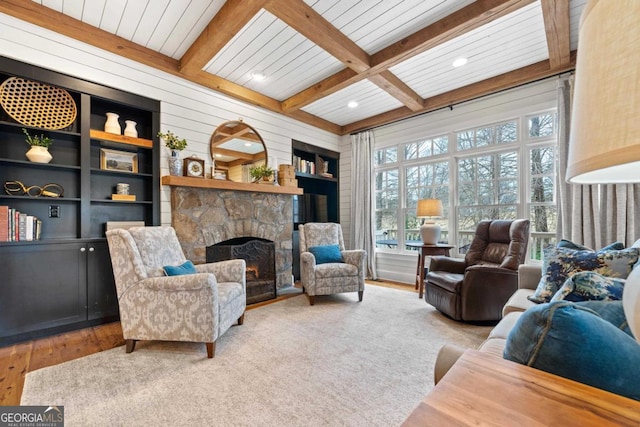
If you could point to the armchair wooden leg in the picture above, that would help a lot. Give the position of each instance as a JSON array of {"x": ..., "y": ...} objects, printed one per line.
[
  {"x": 360, "y": 293},
  {"x": 241, "y": 320},
  {"x": 211, "y": 349},
  {"x": 312, "y": 299},
  {"x": 130, "y": 345}
]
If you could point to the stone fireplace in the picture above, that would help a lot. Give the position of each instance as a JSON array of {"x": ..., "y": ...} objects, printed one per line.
[{"x": 203, "y": 217}]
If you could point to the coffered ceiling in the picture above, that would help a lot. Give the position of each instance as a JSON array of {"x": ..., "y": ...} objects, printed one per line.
[{"x": 392, "y": 57}]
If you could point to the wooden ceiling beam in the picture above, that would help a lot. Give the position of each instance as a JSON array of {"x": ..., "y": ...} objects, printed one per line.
[
  {"x": 331, "y": 84},
  {"x": 557, "y": 24},
  {"x": 462, "y": 21},
  {"x": 495, "y": 84},
  {"x": 458, "y": 23},
  {"x": 389, "y": 82},
  {"x": 60, "y": 23},
  {"x": 230, "y": 19},
  {"x": 302, "y": 18}
]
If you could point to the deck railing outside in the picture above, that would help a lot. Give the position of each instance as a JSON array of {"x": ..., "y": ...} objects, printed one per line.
[{"x": 389, "y": 239}]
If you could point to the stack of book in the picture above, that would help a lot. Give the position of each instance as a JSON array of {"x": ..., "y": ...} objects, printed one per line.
[
  {"x": 16, "y": 226},
  {"x": 304, "y": 166}
]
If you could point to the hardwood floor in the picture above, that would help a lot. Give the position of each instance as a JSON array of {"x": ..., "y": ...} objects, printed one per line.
[{"x": 19, "y": 359}]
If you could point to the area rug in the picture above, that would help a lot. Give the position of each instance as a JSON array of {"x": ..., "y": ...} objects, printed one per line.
[{"x": 338, "y": 363}]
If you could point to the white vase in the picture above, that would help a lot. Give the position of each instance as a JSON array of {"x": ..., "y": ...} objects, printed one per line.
[
  {"x": 39, "y": 154},
  {"x": 112, "y": 125},
  {"x": 175, "y": 163},
  {"x": 130, "y": 129}
]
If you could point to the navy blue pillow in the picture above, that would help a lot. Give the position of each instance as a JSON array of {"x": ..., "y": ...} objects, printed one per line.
[
  {"x": 326, "y": 254},
  {"x": 587, "y": 342},
  {"x": 178, "y": 270}
]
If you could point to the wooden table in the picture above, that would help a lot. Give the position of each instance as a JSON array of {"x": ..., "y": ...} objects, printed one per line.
[
  {"x": 423, "y": 252},
  {"x": 484, "y": 390}
]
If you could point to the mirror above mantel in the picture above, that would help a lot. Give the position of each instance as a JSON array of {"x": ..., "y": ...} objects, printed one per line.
[{"x": 236, "y": 146}]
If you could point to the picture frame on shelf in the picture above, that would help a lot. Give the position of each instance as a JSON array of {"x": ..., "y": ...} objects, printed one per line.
[
  {"x": 119, "y": 161},
  {"x": 222, "y": 174}
]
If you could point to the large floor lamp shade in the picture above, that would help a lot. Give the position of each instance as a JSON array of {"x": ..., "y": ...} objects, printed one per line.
[
  {"x": 604, "y": 146},
  {"x": 604, "y": 142},
  {"x": 429, "y": 230}
]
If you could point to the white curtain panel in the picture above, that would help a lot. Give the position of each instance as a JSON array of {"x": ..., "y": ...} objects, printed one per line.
[
  {"x": 619, "y": 207},
  {"x": 362, "y": 191},
  {"x": 577, "y": 204},
  {"x": 592, "y": 215}
]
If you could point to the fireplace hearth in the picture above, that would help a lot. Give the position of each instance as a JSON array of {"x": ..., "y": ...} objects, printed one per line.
[{"x": 259, "y": 254}]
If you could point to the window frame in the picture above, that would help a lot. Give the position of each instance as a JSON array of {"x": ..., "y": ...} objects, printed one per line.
[{"x": 522, "y": 147}]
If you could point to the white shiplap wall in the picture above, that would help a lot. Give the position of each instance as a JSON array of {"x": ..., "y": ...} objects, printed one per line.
[
  {"x": 189, "y": 110},
  {"x": 534, "y": 97}
]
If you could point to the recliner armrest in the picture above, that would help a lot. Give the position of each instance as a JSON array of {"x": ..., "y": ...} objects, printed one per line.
[
  {"x": 186, "y": 282},
  {"x": 444, "y": 263},
  {"x": 355, "y": 257},
  {"x": 233, "y": 270}
]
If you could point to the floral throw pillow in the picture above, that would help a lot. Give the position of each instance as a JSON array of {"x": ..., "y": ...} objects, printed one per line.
[
  {"x": 590, "y": 286},
  {"x": 561, "y": 263}
]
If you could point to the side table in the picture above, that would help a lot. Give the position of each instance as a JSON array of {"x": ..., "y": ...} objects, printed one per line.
[
  {"x": 424, "y": 251},
  {"x": 482, "y": 389}
]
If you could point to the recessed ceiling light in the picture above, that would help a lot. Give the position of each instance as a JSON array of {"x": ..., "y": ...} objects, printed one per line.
[
  {"x": 247, "y": 144},
  {"x": 352, "y": 104},
  {"x": 459, "y": 62},
  {"x": 258, "y": 75}
]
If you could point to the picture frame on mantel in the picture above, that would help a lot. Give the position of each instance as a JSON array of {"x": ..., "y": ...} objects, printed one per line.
[{"x": 119, "y": 161}]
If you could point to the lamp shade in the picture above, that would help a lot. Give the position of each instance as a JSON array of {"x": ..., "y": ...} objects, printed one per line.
[
  {"x": 604, "y": 142},
  {"x": 429, "y": 207},
  {"x": 429, "y": 231}
]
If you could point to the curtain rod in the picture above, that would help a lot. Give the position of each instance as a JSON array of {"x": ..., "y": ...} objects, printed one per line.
[{"x": 565, "y": 74}]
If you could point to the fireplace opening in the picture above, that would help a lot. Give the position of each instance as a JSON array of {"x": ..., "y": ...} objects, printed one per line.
[{"x": 259, "y": 254}]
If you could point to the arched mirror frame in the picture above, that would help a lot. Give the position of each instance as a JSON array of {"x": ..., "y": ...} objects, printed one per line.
[{"x": 221, "y": 135}]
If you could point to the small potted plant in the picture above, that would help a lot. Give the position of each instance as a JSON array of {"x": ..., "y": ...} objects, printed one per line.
[
  {"x": 262, "y": 172},
  {"x": 176, "y": 145},
  {"x": 39, "y": 151}
]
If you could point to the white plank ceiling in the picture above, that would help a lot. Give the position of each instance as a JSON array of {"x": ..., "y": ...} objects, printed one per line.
[{"x": 296, "y": 66}]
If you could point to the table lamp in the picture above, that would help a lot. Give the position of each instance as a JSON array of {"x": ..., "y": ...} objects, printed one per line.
[
  {"x": 604, "y": 146},
  {"x": 429, "y": 231}
]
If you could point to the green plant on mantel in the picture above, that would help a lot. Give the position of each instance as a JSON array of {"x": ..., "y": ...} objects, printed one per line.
[
  {"x": 38, "y": 141},
  {"x": 263, "y": 172},
  {"x": 172, "y": 141}
]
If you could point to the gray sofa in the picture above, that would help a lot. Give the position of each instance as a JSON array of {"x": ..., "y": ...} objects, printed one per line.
[{"x": 528, "y": 278}]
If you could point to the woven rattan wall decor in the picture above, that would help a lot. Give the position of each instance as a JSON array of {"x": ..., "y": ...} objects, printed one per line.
[{"x": 37, "y": 104}]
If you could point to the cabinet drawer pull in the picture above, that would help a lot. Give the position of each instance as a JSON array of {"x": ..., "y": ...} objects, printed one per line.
[
  {"x": 91, "y": 249},
  {"x": 83, "y": 249}
]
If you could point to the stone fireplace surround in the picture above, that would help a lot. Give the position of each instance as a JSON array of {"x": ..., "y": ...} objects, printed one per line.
[{"x": 205, "y": 216}]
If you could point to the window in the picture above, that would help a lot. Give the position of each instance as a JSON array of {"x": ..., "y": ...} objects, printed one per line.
[
  {"x": 485, "y": 136},
  {"x": 387, "y": 196},
  {"x": 426, "y": 148},
  {"x": 425, "y": 181},
  {"x": 503, "y": 170},
  {"x": 388, "y": 155}
]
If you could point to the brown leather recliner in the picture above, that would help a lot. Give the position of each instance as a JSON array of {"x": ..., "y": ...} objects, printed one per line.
[{"x": 475, "y": 288}]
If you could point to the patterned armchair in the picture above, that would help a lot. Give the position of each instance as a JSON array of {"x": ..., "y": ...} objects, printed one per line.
[
  {"x": 193, "y": 307},
  {"x": 333, "y": 277}
]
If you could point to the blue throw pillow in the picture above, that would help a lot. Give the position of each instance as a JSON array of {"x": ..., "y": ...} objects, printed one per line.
[
  {"x": 178, "y": 270},
  {"x": 326, "y": 254},
  {"x": 559, "y": 264},
  {"x": 588, "y": 286},
  {"x": 568, "y": 244},
  {"x": 574, "y": 341}
]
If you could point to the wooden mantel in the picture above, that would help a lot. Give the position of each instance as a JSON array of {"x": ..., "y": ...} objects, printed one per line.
[{"x": 219, "y": 184}]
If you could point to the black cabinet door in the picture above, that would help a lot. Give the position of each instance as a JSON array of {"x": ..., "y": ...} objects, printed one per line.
[
  {"x": 101, "y": 288},
  {"x": 42, "y": 286}
]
